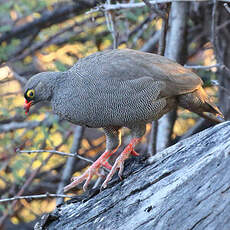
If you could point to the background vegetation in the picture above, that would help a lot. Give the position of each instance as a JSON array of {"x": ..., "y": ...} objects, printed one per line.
[{"x": 45, "y": 35}]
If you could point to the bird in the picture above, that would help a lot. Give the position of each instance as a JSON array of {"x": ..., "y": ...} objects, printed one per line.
[{"x": 119, "y": 88}]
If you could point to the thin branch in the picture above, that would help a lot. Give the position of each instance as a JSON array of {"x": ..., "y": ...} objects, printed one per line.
[
  {"x": 213, "y": 32},
  {"x": 21, "y": 125},
  {"x": 152, "y": 145},
  {"x": 48, "y": 18},
  {"x": 202, "y": 66},
  {"x": 53, "y": 38},
  {"x": 25, "y": 43},
  {"x": 18, "y": 77},
  {"x": 68, "y": 169},
  {"x": 216, "y": 83},
  {"x": 148, "y": 46},
  {"x": 111, "y": 25},
  {"x": 154, "y": 10},
  {"x": 57, "y": 153},
  {"x": 47, "y": 195},
  {"x": 22, "y": 190},
  {"x": 120, "y": 6},
  {"x": 227, "y": 7}
]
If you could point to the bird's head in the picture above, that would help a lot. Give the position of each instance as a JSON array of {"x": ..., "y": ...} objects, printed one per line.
[{"x": 39, "y": 88}]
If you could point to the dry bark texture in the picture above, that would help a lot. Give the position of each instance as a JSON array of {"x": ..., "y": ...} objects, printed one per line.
[{"x": 186, "y": 186}]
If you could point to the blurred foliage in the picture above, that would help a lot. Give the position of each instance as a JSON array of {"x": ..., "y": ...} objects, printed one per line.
[{"x": 58, "y": 53}]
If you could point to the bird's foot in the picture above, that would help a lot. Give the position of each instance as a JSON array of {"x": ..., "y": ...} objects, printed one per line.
[
  {"x": 119, "y": 163},
  {"x": 91, "y": 171}
]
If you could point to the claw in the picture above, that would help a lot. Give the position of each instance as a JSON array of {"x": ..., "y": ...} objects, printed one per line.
[
  {"x": 121, "y": 169},
  {"x": 119, "y": 163},
  {"x": 87, "y": 182},
  {"x": 91, "y": 171},
  {"x": 107, "y": 165},
  {"x": 134, "y": 153}
]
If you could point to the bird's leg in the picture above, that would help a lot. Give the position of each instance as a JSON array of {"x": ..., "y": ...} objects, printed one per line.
[
  {"x": 91, "y": 171},
  {"x": 119, "y": 163},
  {"x": 113, "y": 141}
]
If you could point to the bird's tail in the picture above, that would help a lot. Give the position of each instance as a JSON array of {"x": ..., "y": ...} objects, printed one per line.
[{"x": 199, "y": 102}]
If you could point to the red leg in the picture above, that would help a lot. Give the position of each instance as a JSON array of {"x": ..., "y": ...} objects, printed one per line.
[
  {"x": 119, "y": 163},
  {"x": 92, "y": 170}
]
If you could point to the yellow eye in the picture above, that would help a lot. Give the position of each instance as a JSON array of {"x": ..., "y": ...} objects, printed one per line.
[{"x": 30, "y": 93}]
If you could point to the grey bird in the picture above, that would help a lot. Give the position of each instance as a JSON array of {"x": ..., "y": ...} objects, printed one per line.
[{"x": 119, "y": 88}]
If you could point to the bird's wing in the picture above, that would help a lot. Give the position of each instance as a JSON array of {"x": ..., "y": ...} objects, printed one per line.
[{"x": 126, "y": 64}]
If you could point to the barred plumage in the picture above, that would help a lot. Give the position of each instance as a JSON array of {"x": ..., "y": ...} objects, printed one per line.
[{"x": 120, "y": 88}]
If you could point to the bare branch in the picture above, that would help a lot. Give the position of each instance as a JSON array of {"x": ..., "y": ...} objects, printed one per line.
[
  {"x": 202, "y": 66},
  {"x": 111, "y": 24},
  {"x": 57, "y": 153},
  {"x": 47, "y": 195},
  {"x": 68, "y": 169},
  {"x": 26, "y": 124},
  {"x": 56, "y": 37},
  {"x": 120, "y": 6},
  {"x": 22, "y": 190},
  {"x": 148, "y": 46},
  {"x": 153, "y": 9},
  {"x": 174, "y": 50},
  {"x": 227, "y": 7},
  {"x": 18, "y": 125},
  {"x": 48, "y": 18},
  {"x": 152, "y": 145},
  {"x": 18, "y": 77}
]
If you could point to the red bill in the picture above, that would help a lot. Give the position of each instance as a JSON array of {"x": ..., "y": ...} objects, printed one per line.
[{"x": 27, "y": 106}]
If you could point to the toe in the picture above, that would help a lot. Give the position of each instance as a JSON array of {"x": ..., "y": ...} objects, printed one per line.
[
  {"x": 87, "y": 182},
  {"x": 121, "y": 169},
  {"x": 134, "y": 153},
  {"x": 76, "y": 181},
  {"x": 107, "y": 165}
]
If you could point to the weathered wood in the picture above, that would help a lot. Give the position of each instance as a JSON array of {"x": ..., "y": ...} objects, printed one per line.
[{"x": 187, "y": 186}]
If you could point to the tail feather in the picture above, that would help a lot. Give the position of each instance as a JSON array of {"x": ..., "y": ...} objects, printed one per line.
[
  {"x": 214, "y": 108},
  {"x": 199, "y": 102}
]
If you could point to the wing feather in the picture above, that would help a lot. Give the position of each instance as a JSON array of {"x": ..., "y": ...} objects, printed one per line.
[{"x": 127, "y": 64}]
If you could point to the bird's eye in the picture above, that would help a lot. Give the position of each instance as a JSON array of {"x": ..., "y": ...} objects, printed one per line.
[{"x": 30, "y": 93}]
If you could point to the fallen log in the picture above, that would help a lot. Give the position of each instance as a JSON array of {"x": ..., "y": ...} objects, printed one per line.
[{"x": 186, "y": 186}]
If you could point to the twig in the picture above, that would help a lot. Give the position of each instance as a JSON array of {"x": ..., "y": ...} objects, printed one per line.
[
  {"x": 213, "y": 32},
  {"x": 57, "y": 153},
  {"x": 47, "y": 19},
  {"x": 120, "y": 6},
  {"x": 153, "y": 9},
  {"x": 148, "y": 46},
  {"x": 139, "y": 30},
  {"x": 25, "y": 43},
  {"x": 21, "y": 125},
  {"x": 53, "y": 38},
  {"x": 202, "y": 66},
  {"x": 227, "y": 7},
  {"x": 47, "y": 195},
  {"x": 18, "y": 77},
  {"x": 10, "y": 94},
  {"x": 110, "y": 22},
  {"x": 152, "y": 145},
  {"x": 23, "y": 188},
  {"x": 216, "y": 83}
]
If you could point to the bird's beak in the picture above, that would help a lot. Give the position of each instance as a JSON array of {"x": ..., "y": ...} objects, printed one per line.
[{"x": 27, "y": 106}]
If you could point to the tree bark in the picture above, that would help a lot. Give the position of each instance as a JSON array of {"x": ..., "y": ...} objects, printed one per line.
[
  {"x": 186, "y": 186},
  {"x": 224, "y": 56}
]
